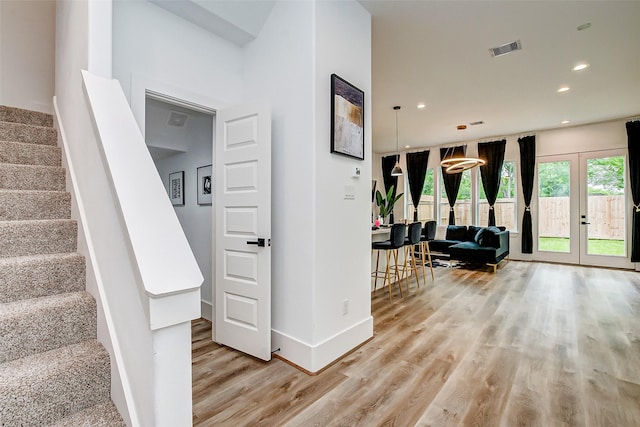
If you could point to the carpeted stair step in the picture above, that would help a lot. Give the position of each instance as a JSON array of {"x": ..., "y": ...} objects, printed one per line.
[
  {"x": 29, "y": 177},
  {"x": 37, "y": 325},
  {"x": 26, "y": 204},
  {"x": 20, "y": 238},
  {"x": 35, "y": 276},
  {"x": 18, "y": 132},
  {"x": 18, "y": 115},
  {"x": 47, "y": 387},
  {"x": 20, "y": 153},
  {"x": 101, "y": 415}
]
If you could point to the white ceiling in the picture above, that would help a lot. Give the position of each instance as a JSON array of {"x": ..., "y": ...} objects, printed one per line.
[{"x": 437, "y": 52}]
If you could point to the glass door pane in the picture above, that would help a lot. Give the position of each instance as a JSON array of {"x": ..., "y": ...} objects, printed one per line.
[
  {"x": 606, "y": 206},
  {"x": 554, "y": 219}
]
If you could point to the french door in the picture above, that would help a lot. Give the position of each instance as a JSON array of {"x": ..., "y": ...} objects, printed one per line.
[{"x": 582, "y": 209}]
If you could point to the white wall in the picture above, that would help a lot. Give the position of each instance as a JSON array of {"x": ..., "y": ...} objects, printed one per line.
[
  {"x": 195, "y": 219},
  {"x": 151, "y": 42},
  {"x": 27, "y": 49},
  {"x": 343, "y": 46},
  {"x": 278, "y": 68},
  {"x": 320, "y": 241}
]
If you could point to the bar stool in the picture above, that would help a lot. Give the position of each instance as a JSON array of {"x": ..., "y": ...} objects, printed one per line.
[
  {"x": 411, "y": 240},
  {"x": 390, "y": 247},
  {"x": 428, "y": 234}
]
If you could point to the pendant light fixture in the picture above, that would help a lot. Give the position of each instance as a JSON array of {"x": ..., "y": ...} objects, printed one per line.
[
  {"x": 453, "y": 163},
  {"x": 397, "y": 170}
]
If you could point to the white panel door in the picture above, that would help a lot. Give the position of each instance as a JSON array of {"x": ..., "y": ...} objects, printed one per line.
[{"x": 242, "y": 251}]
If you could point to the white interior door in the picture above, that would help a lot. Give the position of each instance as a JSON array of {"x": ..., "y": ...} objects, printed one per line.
[{"x": 242, "y": 250}]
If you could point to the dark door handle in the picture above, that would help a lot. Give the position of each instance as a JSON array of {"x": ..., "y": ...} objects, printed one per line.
[
  {"x": 259, "y": 242},
  {"x": 585, "y": 223}
]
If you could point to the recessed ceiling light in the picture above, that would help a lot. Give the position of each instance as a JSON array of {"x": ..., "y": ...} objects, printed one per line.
[
  {"x": 422, "y": 106},
  {"x": 580, "y": 67},
  {"x": 407, "y": 146},
  {"x": 564, "y": 122},
  {"x": 563, "y": 89}
]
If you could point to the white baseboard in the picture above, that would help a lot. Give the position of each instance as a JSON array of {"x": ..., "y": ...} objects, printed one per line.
[
  {"x": 313, "y": 358},
  {"x": 206, "y": 310}
]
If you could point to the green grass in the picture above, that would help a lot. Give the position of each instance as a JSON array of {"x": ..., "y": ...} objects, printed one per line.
[{"x": 596, "y": 246}]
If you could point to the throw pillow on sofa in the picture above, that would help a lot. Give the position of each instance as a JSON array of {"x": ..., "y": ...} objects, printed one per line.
[
  {"x": 488, "y": 237},
  {"x": 457, "y": 232},
  {"x": 472, "y": 231}
]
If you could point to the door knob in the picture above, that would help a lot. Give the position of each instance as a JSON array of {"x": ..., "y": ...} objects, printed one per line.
[
  {"x": 585, "y": 223},
  {"x": 260, "y": 242}
]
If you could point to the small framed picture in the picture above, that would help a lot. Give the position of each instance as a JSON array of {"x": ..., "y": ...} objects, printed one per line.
[
  {"x": 205, "y": 183},
  {"x": 176, "y": 188},
  {"x": 347, "y": 119}
]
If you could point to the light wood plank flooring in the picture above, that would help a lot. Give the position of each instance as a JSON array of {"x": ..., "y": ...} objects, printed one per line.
[{"x": 533, "y": 345}]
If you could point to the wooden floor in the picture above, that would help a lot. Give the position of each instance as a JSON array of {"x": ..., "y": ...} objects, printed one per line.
[{"x": 533, "y": 345}]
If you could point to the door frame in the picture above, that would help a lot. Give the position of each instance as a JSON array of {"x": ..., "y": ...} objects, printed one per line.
[{"x": 141, "y": 86}]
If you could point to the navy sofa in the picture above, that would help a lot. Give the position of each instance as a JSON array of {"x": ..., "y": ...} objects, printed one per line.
[{"x": 475, "y": 245}]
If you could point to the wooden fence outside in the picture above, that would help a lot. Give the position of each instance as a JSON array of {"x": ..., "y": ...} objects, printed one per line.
[{"x": 606, "y": 215}]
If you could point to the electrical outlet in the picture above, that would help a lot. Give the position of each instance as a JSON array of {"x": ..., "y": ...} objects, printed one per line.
[
  {"x": 349, "y": 192},
  {"x": 345, "y": 307}
]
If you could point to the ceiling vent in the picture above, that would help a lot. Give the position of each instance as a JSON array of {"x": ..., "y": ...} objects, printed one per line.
[
  {"x": 506, "y": 48},
  {"x": 177, "y": 119}
]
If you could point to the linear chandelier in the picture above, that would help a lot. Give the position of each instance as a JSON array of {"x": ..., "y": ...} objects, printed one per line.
[{"x": 453, "y": 163}]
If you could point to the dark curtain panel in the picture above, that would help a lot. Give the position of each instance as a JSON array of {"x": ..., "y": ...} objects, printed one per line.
[
  {"x": 527, "y": 169},
  {"x": 388, "y": 163},
  {"x": 451, "y": 181},
  {"x": 416, "y": 171},
  {"x": 491, "y": 172},
  {"x": 633, "y": 141}
]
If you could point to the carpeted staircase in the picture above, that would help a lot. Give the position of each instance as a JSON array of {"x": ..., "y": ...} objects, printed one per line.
[{"x": 53, "y": 371}]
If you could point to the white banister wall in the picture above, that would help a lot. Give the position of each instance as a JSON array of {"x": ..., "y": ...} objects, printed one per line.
[{"x": 148, "y": 278}]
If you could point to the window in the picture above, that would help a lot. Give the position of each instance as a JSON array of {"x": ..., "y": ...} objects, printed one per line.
[
  {"x": 462, "y": 207},
  {"x": 426, "y": 211},
  {"x": 505, "y": 207}
]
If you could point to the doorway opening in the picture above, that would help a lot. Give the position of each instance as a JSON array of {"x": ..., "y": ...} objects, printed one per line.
[
  {"x": 179, "y": 136},
  {"x": 582, "y": 205}
]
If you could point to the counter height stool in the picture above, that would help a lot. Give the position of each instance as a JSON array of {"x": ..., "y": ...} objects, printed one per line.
[
  {"x": 428, "y": 234},
  {"x": 411, "y": 240},
  {"x": 390, "y": 247}
]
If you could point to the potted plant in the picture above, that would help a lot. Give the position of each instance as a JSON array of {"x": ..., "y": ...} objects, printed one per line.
[{"x": 385, "y": 205}]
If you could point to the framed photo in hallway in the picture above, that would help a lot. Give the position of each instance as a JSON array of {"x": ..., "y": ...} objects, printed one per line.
[
  {"x": 347, "y": 118},
  {"x": 205, "y": 182},
  {"x": 176, "y": 188}
]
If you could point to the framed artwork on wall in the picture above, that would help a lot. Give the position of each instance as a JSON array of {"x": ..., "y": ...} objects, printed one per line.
[
  {"x": 205, "y": 182},
  {"x": 176, "y": 188},
  {"x": 347, "y": 118}
]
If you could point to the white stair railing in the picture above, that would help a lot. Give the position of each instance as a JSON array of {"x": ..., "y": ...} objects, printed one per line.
[{"x": 148, "y": 279}]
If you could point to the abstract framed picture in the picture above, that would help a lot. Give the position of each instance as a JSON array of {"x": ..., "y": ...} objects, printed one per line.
[
  {"x": 176, "y": 188},
  {"x": 205, "y": 182},
  {"x": 347, "y": 118}
]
